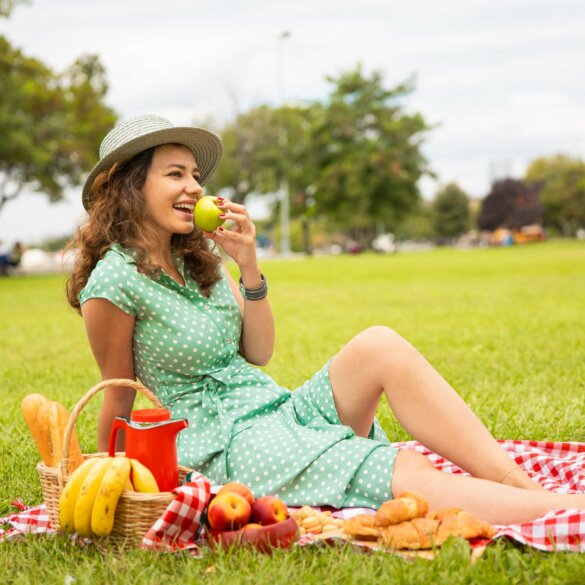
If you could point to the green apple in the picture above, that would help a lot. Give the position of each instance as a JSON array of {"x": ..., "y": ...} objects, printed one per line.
[{"x": 207, "y": 214}]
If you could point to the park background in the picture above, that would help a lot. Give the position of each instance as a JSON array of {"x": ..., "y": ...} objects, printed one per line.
[
  {"x": 382, "y": 118},
  {"x": 435, "y": 118}
]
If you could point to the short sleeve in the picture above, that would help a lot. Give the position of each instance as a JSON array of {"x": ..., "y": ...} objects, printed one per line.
[{"x": 111, "y": 279}]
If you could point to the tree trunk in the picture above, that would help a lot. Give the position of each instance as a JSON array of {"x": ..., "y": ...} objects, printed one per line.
[{"x": 306, "y": 226}]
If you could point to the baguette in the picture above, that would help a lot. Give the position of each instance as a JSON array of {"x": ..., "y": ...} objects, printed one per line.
[
  {"x": 30, "y": 406},
  {"x": 47, "y": 421},
  {"x": 75, "y": 455}
]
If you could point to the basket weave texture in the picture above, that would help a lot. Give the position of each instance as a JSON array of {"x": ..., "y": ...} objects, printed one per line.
[{"x": 136, "y": 512}]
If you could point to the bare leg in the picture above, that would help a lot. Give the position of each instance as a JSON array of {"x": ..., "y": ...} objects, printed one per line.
[
  {"x": 493, "y": 502},
  {"x": 379, "y": 361}
]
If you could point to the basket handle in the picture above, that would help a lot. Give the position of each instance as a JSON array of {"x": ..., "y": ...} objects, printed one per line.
[{"x": 80, "y": 406}]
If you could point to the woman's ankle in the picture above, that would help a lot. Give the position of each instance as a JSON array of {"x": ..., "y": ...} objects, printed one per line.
[{"x": 517, "y": 477}]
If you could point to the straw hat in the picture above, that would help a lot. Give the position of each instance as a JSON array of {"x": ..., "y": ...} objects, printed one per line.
[{"x": 142, "y": 132}]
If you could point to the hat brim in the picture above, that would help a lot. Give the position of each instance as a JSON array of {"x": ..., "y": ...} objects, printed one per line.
[{"x": 205, "y": 146}]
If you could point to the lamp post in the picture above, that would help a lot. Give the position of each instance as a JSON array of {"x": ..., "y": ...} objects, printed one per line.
[{"x": 284, "y": 188}]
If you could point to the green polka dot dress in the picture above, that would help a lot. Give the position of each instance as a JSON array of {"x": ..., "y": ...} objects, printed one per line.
[{"x": 242, "y": 425}]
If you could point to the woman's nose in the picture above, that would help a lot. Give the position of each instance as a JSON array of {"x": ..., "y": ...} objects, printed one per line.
[{"x": 194, "y": 187}]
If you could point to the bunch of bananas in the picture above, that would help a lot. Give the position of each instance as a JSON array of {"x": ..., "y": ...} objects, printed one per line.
[{"x": 89, "y": 499}]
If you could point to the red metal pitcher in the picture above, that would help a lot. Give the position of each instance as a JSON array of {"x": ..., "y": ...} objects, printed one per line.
[{"x": 151, "y": 437}]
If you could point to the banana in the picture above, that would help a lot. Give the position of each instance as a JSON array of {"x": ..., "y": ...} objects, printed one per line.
[
  {"x": 87, "y": 494},
  {"x": 70, "y": 493},
  {"x": 142, "y": 478},
  {"x": 109, "y": 492},
  {"x": 128, "y": 486}
]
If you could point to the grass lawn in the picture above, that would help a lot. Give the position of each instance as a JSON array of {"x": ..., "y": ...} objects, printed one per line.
[{"x": 505, "y": 326}]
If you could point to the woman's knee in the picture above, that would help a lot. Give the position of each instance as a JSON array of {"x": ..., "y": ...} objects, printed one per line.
[
  {"x": 410, "y": 469},
  {"x": 382, "y": 342}
]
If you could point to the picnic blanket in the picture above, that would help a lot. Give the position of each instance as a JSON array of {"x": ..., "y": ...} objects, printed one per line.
[{"x": 559, "y": 467}]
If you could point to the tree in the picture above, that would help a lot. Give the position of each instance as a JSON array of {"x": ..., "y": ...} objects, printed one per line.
[
  {"x": 354, "y": 158},
  {"x": 562, "y": 183},
  {"x": 51, "y": 124},
  {"x": 7, "y": 6},
  {"x": 450, "y": 212},
  {"x": 261, "y": 149},
  {"x": 265, "y": 151},
  {"x": 510, "y": 204},
  {"x": 365, "y": 159}
]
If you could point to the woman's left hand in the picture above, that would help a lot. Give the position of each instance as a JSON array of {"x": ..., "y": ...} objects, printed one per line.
[{"x": 239, "y": 242}]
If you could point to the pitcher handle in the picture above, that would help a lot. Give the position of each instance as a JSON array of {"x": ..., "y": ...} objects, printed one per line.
[{"x": 119, "y": 423}]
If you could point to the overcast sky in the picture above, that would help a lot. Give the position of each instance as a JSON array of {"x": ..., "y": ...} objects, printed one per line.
[{"x": 504, "y": 80}]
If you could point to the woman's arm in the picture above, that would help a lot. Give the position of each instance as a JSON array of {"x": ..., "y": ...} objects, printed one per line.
[
  {"x": 257, "y": 343},
  {"x": 110, "y": 332},
  {"x": 239, "y": 243}
]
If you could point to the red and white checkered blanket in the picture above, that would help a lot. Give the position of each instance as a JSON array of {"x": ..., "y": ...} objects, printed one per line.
[{"x": 559, "y": 467}]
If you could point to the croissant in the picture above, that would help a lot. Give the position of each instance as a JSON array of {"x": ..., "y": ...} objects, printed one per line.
[
  {"x": 405, "y": 507},
  {"x": 413, "y": 534},
  {"x": 463, "y": 524},
  {"x": 363, "y": 527},
  {"x": 435, "y": 529}
]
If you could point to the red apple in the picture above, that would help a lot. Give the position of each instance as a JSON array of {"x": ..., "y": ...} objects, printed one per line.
[
  {"x": 238, "y": 488},
  {"x": 228, "y": 511},
  {"x": 268, "y": 510}
]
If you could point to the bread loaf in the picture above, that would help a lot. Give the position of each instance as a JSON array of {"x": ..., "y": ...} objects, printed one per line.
[
  {"x": 47, "y": 421},
  {"x": 30, "y": 406}
]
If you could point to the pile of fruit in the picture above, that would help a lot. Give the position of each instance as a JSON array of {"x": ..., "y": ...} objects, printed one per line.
[
  {"x": 90, "y": 497},
  {"x": 234, "y": 507},
  {"x": 234, "y": 516}
]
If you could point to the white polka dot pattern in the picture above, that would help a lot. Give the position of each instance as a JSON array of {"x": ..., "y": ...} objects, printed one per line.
[{"x": 242, "y": 425}]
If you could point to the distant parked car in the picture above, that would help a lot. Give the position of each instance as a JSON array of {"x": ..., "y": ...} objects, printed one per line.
[{"x": 384, "y": 244}]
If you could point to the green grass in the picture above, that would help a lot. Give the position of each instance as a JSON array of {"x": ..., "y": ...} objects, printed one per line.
[{"x": 505, "y": 326}]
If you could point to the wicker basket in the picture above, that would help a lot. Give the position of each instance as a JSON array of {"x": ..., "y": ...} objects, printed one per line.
[{"x": 136, "y": 512}]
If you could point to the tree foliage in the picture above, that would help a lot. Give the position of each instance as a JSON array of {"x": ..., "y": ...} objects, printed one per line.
[
  {"x": 562, "y": 182},
  {"x": 354, "y": 158},
  {"x": 510, "y": 204},
  {"x": 365, "y": 152},
  {"x": 7, "y": 6},
  {"x": 261, "y": 148},
  {"x": 51, "y": 123},
  {"x": 451, "y": 214}
]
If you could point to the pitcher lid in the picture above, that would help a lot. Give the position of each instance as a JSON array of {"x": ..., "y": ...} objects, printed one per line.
[{"x": 150, "y": 415}]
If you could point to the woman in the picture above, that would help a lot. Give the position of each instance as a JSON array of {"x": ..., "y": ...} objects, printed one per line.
[{"x": 159, "y": 305}]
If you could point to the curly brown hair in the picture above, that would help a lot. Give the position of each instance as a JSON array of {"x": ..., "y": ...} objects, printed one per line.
[{"x": 117, "y": 215}]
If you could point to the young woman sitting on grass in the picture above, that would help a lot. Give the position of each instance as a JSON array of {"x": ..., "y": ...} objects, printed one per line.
[{"x": 158, "y": 304}]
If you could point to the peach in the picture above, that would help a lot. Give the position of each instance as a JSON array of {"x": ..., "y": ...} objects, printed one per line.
[
  {"x": 238, "y": 488},
  {"x": 252, "y": 526},
  {"x": 228, "y": 511},
  {"x": 269, "y": 510}
]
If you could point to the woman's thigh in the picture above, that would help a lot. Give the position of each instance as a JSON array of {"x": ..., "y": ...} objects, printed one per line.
[{"x": 357, "y": 372}]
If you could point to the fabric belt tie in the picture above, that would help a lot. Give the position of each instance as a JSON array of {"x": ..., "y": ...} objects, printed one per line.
[{"x": 211, "y": 402}]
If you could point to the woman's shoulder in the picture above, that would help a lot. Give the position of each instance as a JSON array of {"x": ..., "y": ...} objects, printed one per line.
[
  {"x": 112, "y": 279},
  {"x": 117, "y": 258}
]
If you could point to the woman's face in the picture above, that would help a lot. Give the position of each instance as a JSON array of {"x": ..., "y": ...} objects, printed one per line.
[{"x": 171, "y": 190}]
